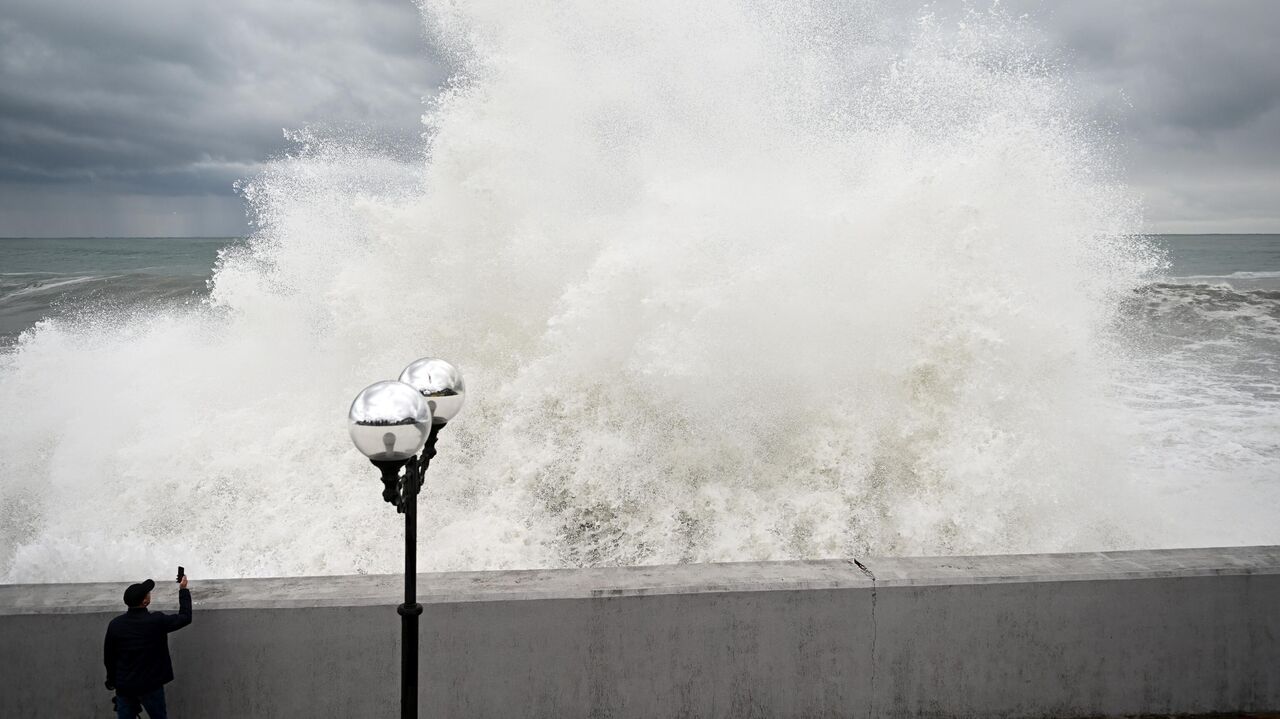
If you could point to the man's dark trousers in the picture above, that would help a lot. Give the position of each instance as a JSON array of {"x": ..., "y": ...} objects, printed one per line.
[{"x": 131, "y": 707}]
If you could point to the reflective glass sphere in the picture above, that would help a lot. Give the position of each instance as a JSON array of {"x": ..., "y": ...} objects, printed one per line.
[
  {"x": 440, "y": 383},
  {"x": 389, "y": 421}
]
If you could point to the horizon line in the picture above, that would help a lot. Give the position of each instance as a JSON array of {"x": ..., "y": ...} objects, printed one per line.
[
  {"x": 242, "y": 237},
  {"x": 124, "y": 237}
]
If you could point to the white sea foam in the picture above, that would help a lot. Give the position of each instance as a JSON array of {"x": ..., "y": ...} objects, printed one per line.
[
  {"x": 1243, "y": 280},
  {"x": 1231, "y": 276},
  {"x": 727, "y": 282},
  {"x": 49, "y": 286}
]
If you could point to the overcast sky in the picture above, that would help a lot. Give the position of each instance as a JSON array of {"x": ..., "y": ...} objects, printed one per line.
[{"x": 135, "y": 117}]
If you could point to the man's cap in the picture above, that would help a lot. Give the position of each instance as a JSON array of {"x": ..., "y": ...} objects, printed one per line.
[{"x": 134, "y": 595}]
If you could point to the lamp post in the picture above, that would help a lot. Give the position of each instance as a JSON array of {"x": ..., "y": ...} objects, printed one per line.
[{"x": 390, "y": 422}]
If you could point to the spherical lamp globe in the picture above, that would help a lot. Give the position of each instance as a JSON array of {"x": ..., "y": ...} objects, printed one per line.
[
  {"x": 389, "y": 421},
  {"x": 440, "y": 383}
]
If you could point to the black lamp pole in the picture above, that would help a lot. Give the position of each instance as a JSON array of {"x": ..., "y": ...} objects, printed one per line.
[
  {"x": 388, "y": 424},
  {"x": 402, "y": 491}
]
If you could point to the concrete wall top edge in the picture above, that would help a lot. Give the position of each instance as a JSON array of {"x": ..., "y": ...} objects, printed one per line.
[
  {"x": 454, "y": 587},
  {"x": 1132, "y": 564},
  {"x": 445, "y": 587}
]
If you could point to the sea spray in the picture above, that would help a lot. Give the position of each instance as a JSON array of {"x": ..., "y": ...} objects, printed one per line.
[{"x": 728, "y": 281}]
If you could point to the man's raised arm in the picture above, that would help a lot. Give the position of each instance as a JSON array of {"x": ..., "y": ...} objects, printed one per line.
[{"x": 174, "y": 622}]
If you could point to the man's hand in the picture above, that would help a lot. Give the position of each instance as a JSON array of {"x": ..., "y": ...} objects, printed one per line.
[{"x": 183, "y": 583}]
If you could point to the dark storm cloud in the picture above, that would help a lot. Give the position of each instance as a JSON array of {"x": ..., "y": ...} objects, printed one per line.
[
  {"x": 127, "y": 108},
  {"x": 151, "y": 98},
  {"x": 1198, "y": 67},
  {"x": 1192, "y": 90}
]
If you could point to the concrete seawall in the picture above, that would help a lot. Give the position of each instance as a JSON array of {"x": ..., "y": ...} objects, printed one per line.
[{"x": 1102, "y": 634}]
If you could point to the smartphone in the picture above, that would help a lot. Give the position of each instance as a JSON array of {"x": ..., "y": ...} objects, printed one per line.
[{"x": 182, "y": 571}]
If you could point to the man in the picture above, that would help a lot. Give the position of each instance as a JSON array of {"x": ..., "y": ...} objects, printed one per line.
[{"x": 136, "y": 651}]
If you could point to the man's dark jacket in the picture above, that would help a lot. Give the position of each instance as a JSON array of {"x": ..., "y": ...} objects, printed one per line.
[{"x": 136, "y": 650}]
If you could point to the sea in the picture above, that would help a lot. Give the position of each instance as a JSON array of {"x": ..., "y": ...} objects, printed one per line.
[
  {"x": 63, "y": 276},
  {"x": 842, "y": 286}
]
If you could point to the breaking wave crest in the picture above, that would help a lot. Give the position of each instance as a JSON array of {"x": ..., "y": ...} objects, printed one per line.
[{"x": 728, "y": 281}]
